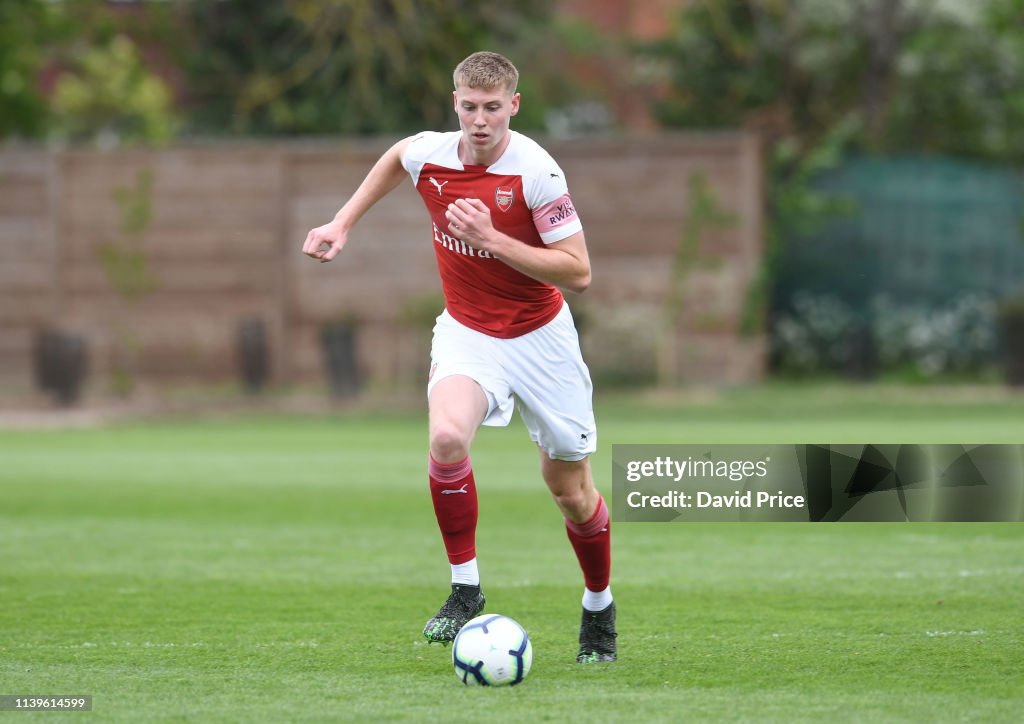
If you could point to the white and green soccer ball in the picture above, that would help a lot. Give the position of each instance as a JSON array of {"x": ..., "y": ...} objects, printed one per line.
[{"x": 492, "y": 650}]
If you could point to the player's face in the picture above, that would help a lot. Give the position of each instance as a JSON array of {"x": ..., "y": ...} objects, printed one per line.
[{"x": 484, "y": 115}]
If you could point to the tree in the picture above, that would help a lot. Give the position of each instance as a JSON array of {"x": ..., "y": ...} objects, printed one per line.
[
  {"x": 24, "y": 28},
  {"x": 111, "y": 97},
  {"x": 915, "y": 75},
  {"x": 73, "y": 70},
  {"x": 336, "y": 66},
  {"x": 821, "y": 78}
]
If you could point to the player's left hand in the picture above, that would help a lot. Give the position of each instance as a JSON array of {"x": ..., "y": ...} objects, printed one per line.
[{"x": 470, "y": 221}]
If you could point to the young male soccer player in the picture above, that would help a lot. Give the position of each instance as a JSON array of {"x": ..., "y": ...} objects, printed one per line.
[{"x": 506, "y": 237}]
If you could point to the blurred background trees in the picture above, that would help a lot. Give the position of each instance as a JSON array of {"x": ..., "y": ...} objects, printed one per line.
[
  {"x": 887, "y": 240},
  {"x": 896, "y": 75},
  {"x": 81, "y": 71},
  {"x": 129, "y": 72},
  {"x": 913, "y": 75},
  {"x": 935, "y": 87},
  {"x": 25, "y": 30},
  {"x": 336, "y": 66}
]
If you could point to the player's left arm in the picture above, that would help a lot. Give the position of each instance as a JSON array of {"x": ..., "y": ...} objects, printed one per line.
[{"x": 564, "y": 263}]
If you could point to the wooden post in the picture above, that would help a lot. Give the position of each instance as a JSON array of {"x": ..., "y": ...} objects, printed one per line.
[
  {"x": 55, "y": 181},
  {"x": 286, "y": 248}
]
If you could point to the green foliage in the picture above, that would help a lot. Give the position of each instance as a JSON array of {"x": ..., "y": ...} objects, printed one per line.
[
  {"x": 819, "y": 79},
  {"x": 127, "y": 270},
  {"x": 796, "y": 207},
  {"x": 129, "y": 275},
  {"x": 1012, "y": 307},
  {"x": 111, "y": 97},
  {"x": 298, "y": 67},
  {"x": 954, "y": 341},
  {"x": 704, "y": 214},
  {"x": 136, "y": 204},
  {"x": 342, "y": 66},
  {"x": 938, "y": 77},
  {"x": 123, "y": 259},
  {"x": 72, "y": 70},
  {"x": 960, "y": 85},
  {"x": 420, "y": 312},
  {"x": 24, "y": 27}
]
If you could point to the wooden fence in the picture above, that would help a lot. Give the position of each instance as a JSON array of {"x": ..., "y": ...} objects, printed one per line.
[{"x": 161, "y": 254}]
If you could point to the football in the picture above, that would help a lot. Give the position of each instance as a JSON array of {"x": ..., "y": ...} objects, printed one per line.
[{"x": 492, "y": 650}]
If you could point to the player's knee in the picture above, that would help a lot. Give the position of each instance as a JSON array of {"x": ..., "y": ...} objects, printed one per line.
[
  {"x": 448, "y": 444},
  {"x": 573, "y": 503},
  {"x": 573, "y": 506}
]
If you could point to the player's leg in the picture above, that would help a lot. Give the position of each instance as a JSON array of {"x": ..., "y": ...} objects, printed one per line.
[
  {"x": 457, "y": 406},
  {"x": 466, "y": 388},
  {"x": 572, "y": 487},
  {"x": 589, "y": 529},
  {"x": 553, "y": 387}
]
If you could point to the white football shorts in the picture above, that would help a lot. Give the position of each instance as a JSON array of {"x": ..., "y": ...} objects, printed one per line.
[{"x": 541, "y": 372}]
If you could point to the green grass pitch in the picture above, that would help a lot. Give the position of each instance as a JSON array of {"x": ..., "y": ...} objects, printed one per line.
[{"x": 281, "y": 569}]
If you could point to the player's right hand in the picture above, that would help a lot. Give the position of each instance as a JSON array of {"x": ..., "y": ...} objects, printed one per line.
[{"x": 324, "y": 242}]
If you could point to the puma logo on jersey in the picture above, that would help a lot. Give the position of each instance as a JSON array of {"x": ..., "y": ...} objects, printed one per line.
[
  {"x": 460, "y": 490},
  {"x": 438, "y": 185}
]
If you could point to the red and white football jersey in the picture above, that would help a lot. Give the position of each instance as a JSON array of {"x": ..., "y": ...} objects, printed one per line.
[{"x": 526, "y": 193}]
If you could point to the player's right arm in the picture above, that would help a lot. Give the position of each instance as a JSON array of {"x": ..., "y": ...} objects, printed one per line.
[{"x": 325, "y": 242}]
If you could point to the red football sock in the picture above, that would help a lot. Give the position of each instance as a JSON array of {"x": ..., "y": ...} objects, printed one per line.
[
  {"x": 453, "y": 491},
  {"x": 592, "y": 542}
]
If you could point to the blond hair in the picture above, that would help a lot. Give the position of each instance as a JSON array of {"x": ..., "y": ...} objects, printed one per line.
[{"x": 485, "y": 71}]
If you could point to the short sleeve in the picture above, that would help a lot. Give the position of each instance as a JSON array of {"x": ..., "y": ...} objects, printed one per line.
[
  {"x": 554, "y": 215},
  {"x": 418, "y": 150}
]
